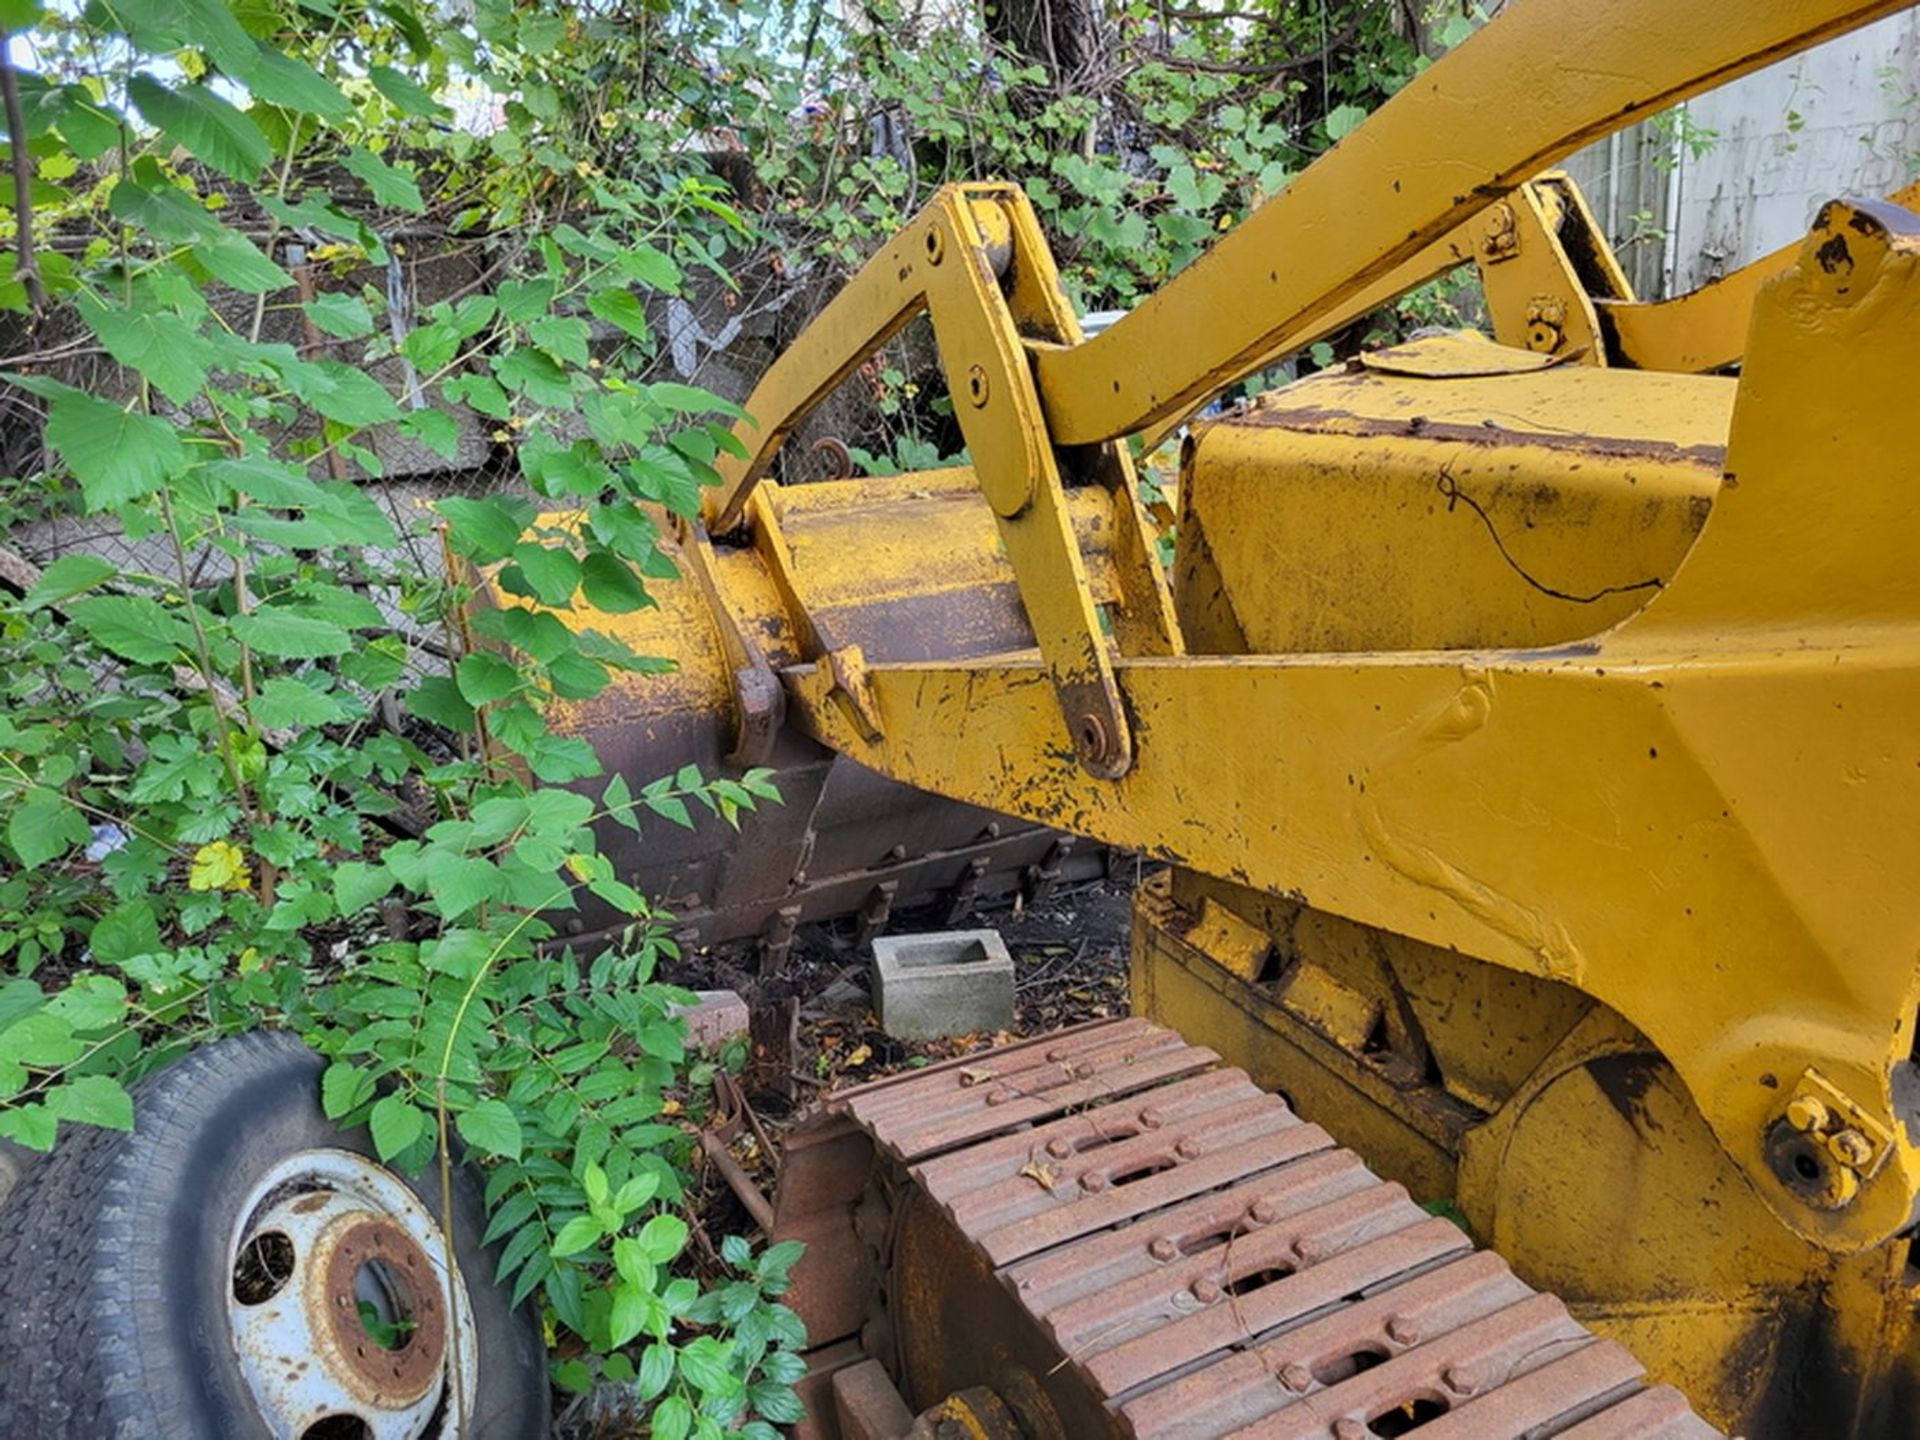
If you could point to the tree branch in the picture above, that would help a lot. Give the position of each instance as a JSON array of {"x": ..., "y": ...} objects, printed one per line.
[{"x": 28, "y": 270}]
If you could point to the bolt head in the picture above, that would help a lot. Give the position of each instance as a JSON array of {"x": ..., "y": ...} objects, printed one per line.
[
  {"x": 1807, "y": 1114},
  {"x": 1206, "y": 1290},
  {"x": 1296, "y": 1377},
  {"x": 1403, "y": 1331},
  {"x": 1850, "y": 1147},
  {"x": 1093, "y": 1182},
  {"x": 1161, "y": 1248},
  {"x": 1187, "y": 1149},
  {"x": 1151, "y": 1119},
  {"x": 1460, "y": 1379},
  {"x": 1347, "y": 1428},
  {"x": 1262, "y": 1212},
  {"x": 1059, "y": 1149}
]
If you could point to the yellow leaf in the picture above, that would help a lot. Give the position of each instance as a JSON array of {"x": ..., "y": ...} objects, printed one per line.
[
  {"x": 249, "y": 960},
  {"x": 220, "y": 865},
  {"x": 578, "y": 867},
  {"x": 671, "y": 1107},
  {"x": 861, "y": 1055},
  {"x": 1040, "y": 1172}
]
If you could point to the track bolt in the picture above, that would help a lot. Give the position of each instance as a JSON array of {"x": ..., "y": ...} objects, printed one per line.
[
  {"x": 1807, "y": 1114},
  {"x": 998, "y": 1097},
  {"x": 1296, "y": 1377},
  {"x": 1161, "y": 1248},
  {"x": 1093, "y": 1181},
  {"x": 1403, "y": 1331},
  {"x": 1055, "y": 1055},
  {"x": 1187, "y": 1149},
  {"x": 1309, "y": 1250},
  {"x": 1460, "y": 1379},
  {"x": 1059, "y": 1149},
  {"x": 1151, "y": 1119},
  {"x": 1348, "y": 1428},
  {"x": 1850, "y": 1147},
  {"x": 1206, "y": 1290},
  {"x": 1262, "y": 1212}
]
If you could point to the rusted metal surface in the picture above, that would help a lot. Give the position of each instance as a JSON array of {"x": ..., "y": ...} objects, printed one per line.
[
  {"x": 403, "y": 1372},
  {"x": 1116, "y": 1236}
]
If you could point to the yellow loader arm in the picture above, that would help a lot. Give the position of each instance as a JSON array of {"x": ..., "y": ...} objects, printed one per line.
[{"x": 1630, "y": 814}]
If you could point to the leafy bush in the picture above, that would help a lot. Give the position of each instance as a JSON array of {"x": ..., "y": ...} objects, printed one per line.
[{"x": 271, "y": 767}]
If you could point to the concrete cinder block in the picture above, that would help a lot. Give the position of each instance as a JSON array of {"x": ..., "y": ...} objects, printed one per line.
[
  {"x": 868, "y": 1405},
  {"x": 928, "y": 987},
  {"x": 715, "y": 1019}
]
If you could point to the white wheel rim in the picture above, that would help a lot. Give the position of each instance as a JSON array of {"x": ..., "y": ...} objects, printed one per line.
[{"x": 323, "y": 1235}]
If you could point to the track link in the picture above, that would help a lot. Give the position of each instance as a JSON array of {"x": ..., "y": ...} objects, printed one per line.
[{"x": 1211, "y": 1265}]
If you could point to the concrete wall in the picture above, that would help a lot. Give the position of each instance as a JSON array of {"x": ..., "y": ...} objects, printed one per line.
[{"x": 1842, "y": 119}]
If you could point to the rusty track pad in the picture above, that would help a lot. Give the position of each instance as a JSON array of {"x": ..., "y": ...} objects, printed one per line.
[{"x": 1122, "y": 1239}]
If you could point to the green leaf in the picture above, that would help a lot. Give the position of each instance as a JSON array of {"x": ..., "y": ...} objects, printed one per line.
[
  {"x": 535, "y": 374},
  {"x": 552, "y": 572},
  {"x": 621, "y": 309},
  {"x": 344, "y": 1088},
  {"x": 93, "y": 1100},
  {"x": 123, "y": 932},
  {"x": 280, "y": 79},
  {"x": 357, "y": 885},
  {"x": 704, "y": 1364},
  {"x": 284, "y": 702},
  {"x": 661, "y": 1238},
  {"x": 234, "y": 260},
  {"x": 389, "y": 186},
  {"x": 656, "y": 1369},
  {"x": 343, "y": 393},
  {"x": 632, "y": 1309},
  {"x": 672, "y": 1419},
  {"x": 486, "y": 530},
  {"x": 514, "y": 1209},
  {"x": 90, "y": 1003},
  {"x": 132, "y": 627},
  {"x": 576, "y": 1235},
  {"x": 406, "y": 94},
  {"x": 491, "y": 1128},
  {"x": 433, "y": 428},
  {"x": 66, "y": 577},
  {"x": 278, "y": 632},
  {"x": 482, "y": 392},
  {"x": 691, "y": 400},
  {"x": 33, "y": 1126},
  {"x": 344, "y": 315},
  {"x": 200, "y": 121},
  {"x": 611, "y": 585},
  {"x": 1343, "y": 120},
  {"x": 90, "y": 129},
  {"x": 116, "y": 455},
  {"x": 44, "y": 826},
  {"x": 776, "y": 1402},
  {"x": 166, "y": 348},
  {"x": 395, "y": 1124},
  {"x": 438, "y": 699},
  {"x": 484, "y": 678},
  {"x": 19, "y": 14},
  {"x": 562, "y": 336},
  {"x": 457, "y": 883},
  {"x": 650, "y": 267}
]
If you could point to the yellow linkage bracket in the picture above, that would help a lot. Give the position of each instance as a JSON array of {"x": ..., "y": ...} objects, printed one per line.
[{"x": 975, "y": 261}]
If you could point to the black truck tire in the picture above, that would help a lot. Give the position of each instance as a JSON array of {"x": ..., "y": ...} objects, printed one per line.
[{"x": 117, "y": 1265}]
